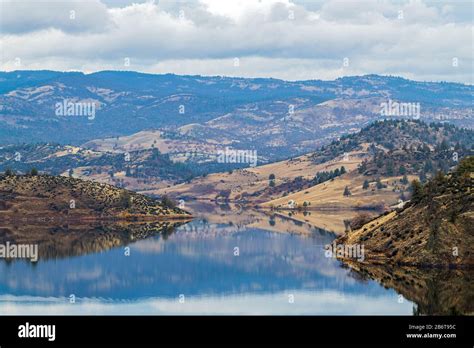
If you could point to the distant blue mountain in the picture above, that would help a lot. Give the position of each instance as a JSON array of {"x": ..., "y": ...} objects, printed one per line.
[{"x": 274, "y": 116}]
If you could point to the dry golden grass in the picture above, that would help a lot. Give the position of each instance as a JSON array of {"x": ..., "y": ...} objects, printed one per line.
[
  {"x": 330, "y": 195},
  {"x": 251, "y": 180}
]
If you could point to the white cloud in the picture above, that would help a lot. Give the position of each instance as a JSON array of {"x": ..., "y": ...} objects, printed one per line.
[
  {"x": 283, "y": 39},
  {"x": 76, "y": 16}
]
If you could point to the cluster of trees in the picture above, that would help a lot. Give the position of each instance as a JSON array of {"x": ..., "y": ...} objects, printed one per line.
[
  {"x": 168, "y": 202},
  {"x": 414, "y": 147},
  {"x": 271, "y": 179},
  {"x": 11, "y": 172},
  {"x": 456, "y": 185},
  {"x": 325, "y": 176},
  {"x": 421, "y": 161},
  {"x": 378, "y": 184}
]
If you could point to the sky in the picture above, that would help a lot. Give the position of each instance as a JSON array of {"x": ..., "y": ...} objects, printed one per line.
[{"x": 285, "y": 39}]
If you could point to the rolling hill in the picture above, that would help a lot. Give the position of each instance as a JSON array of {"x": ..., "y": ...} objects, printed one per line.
[{"x": 379, "y": 162}]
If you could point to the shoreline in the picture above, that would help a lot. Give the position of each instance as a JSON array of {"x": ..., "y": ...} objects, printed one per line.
[{"x": 90, "y": 218}]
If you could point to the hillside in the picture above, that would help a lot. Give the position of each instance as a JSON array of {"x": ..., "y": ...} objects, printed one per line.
[
  {"x": 406, "y": 142},
  {"x": 278, "y": 119},
  {"x": 254, "y": 184},
  {"x": 434, "y": 229},
  {"x": 45, "y": 197},
  {"x": 375, "y": 169},
  {"x": 135, "y": 169},
  {"x": 391, "y": 153}
]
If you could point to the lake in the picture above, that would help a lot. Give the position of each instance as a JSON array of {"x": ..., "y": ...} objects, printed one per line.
[{"x": 227, "y": 260}]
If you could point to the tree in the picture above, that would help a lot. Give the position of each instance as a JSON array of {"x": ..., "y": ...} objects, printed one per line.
[
  {"x": 390, "y": 170},
  {"x": 271, "y": 177},
  {"x": 466, "y": 166},
  {"x": 343, "y": 170},
  {"x": 416, "y": 191},
  {"x": 428, "y": 167},
  {"x": 378, "y": 184},
  {"x": 347, "y": 192},
  {"x": 444, "y": 146},
  {"x": 125, "y": 199},
  {"x": 402, "y": 170},
  {"x": 423, "y": 176},
  {"x": 272, "y": 183},
  {"x": 404, "y": 180},
  {"x": 34, "y": 172},
  {"x": 9, "y": 172},
  {"x": 360, "y": 220},
  {"x": 362, "y": 167},
  {"x": 168, "y": 202},
  {"x": 366, "y": 184},
  {"x": 379, "y": 162}
]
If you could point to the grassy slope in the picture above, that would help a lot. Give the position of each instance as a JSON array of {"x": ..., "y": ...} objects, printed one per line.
[
  {"x": 329, "y": 194},
  {"x": 255, "y": 180}
]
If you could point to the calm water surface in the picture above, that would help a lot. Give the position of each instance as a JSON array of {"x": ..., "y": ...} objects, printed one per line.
[{"x": 223, "y": 262}]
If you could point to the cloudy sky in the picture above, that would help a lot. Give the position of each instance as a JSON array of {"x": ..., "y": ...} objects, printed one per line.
[{"x": 287, "y": 39}]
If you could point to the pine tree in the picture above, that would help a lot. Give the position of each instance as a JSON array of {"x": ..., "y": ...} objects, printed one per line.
[
  {"x": 390, "y": 170},
  {"x": 416, "y": 191},
  {"x": 402, "y": 170},
  {"x": 168, "y": 202},
  {"x": 125, "y": 199},
  {"x": 404, "y": 180},
  {"x": 378, "y": 184},
  {"x": 347, "y": 192}
]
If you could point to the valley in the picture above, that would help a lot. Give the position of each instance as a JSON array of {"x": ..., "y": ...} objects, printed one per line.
[{"x": 330, "y": 167}]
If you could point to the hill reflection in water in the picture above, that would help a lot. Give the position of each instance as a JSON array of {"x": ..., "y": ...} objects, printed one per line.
[{"x": 228, "y": 260}]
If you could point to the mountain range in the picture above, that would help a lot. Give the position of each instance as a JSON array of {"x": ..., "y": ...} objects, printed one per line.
[{"x": 192, "y": 117}]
